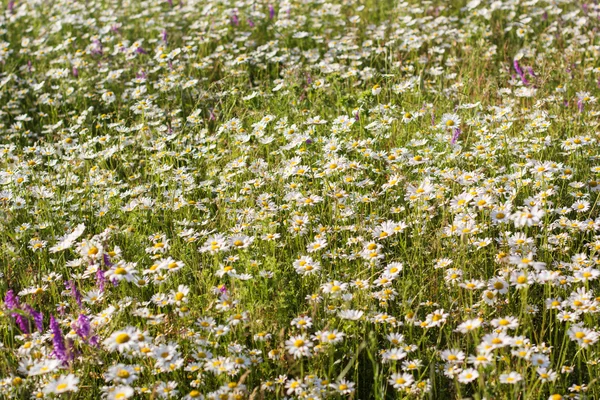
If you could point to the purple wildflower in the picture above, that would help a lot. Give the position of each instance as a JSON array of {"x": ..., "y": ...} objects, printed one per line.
[
  {"x": 75, "y": 72},
  {"x": 271, "y": 11},
  {"x": 94, "y": 341},
  {"x": 74, "y": 291},
  {"x": 97, "y": 50},
  {"x": 164, "y": 35},
  {"x": 38, "y": 317},
  {"x": 100, "y": 279},
  {"x": 235, "y": 19},
  {"x": 83, "y": 327},
  {"x": 61, "y": 310},
  {"x": 520, "y": 72},
  {"x": 455, "y": 134},
  {"x": 60, "y": 350},
  {"x": 22, "y": 323},
  {"x": 11, "y": 300}
]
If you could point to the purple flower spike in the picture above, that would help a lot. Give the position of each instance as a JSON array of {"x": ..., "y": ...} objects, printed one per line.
[
  {"x": 271, "y": 11},
  {"x": 38, "y": 317},
  {"x": 11, "y": 300},
  {"x": 107, "y": 260},
  {"x": 100, "y": 279},
  {"x": 83, "y": 328},
  {"x": 75, "y": 292},
  {"x": 455, "y": 134},
  {"x": 60, "y": 350},
  {"x": 520, "y": 72},
  {"x": 22, "y": 323},
  {"x": 95, "y": 341}
]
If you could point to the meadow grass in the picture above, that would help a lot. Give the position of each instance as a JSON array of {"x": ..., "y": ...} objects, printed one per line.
[{"x": 306, "y": 199}]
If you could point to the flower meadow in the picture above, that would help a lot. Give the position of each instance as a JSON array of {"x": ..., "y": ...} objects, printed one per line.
[{"x": 303, "y": 199}]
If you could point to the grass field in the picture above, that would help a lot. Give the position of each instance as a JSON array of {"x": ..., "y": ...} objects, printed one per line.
[{"x": 358, "y": 199}]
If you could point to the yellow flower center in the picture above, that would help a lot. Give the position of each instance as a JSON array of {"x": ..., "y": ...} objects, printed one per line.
[
  {"x": 122, "y": 338},
  {"x": 123, "y": 374}
]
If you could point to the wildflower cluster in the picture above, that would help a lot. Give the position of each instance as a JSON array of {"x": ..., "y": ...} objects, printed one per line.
[{"x": 299, "y": 199}]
